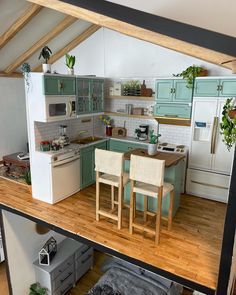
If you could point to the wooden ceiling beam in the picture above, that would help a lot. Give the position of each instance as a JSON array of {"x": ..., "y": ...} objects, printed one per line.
[
  {"x": 75, "y": 42},
  {"x": 11, "y": 75},
  {"x": 138, "y": 32},
  {"x": 65, "y": 23},
  {"x": 32, "y": 10}
]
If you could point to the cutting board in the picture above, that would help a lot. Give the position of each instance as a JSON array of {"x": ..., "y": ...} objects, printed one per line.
[{"x": 119, "y": 131}]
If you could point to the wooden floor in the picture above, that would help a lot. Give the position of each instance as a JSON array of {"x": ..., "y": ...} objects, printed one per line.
[{"x": 191, "y": 250}]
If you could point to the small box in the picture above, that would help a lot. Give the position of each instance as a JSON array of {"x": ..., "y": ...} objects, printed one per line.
[
  {"x": 137, "y": 111},
  {"x": 117, "y": 88},
  {"x": 111, "y": 90}
]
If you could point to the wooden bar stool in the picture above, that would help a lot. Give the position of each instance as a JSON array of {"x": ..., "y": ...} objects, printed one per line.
[
  {"x": 109, "y": 167},
  {"x": 147, "y": 178}
]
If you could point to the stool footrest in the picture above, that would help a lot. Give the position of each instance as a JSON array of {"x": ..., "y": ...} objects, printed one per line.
[
  {"x": 143, "y": 228},
  {"x": 107, "y": 214}
]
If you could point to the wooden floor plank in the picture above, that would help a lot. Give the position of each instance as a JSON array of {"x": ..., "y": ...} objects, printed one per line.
[{"x": 191, "y": 250}]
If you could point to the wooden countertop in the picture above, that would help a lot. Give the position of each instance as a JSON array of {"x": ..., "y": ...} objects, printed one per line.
[
  {"x": 170, "y": 158},
  {"x": 188, "y": 254}
]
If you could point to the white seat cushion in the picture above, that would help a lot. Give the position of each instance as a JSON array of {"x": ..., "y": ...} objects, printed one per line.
[
  {"x": 112, "y": 179},
  {"x": 152, "y": 190}
]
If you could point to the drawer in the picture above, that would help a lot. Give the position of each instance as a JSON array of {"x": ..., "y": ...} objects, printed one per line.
[
  {"x": 82, "y": 251},
  {"x": 65, "y": 287},
  {"x": 122, "y": 146},
  {"x": 67, "y": 275},
  {"x": 172, "y": 110},
  {"x": 62, "y": 267},
  {"x": 83, "y": 264}
]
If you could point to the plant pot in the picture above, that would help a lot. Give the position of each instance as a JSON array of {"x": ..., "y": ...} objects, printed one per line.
[
  {"x": 152, "y": 149},
  {"x": 203, "y": 73},
  {"x": 46, "y": 68},
  {"x": 108, "y": 130},
  {"x": 232, "y": 114},
  {"x": 70, "y": 71}
]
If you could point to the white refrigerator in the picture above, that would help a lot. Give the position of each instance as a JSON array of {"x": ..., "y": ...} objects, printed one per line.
[{"x": 210, "y": 162}]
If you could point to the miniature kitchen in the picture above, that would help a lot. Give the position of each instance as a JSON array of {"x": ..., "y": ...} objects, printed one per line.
[{"x": 127, "y": 176}]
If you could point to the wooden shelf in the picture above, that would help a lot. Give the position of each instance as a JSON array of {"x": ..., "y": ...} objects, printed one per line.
[
  {"x": 127, "y": 97},
  {"x": 130, "y": 116},
  {"x": 173, "y": 121}
]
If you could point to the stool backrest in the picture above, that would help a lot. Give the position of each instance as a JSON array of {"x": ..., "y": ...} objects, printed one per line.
[
  {"x": 109, "y": 162},
  {"x": 147, "y": 170}
]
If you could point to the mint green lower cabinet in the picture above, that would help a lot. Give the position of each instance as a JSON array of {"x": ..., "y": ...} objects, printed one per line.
[
  {"x": 172, "y": 110},
  {"x": 124, "y": 146},
  {"x": 174, "y": 175},
  {"x": 87, "y": 163}
]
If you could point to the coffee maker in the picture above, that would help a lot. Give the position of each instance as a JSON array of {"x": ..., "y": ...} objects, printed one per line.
[{"x": 142, "y": 133}]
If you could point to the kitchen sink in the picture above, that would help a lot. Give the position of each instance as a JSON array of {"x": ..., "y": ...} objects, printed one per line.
[{"x": 87, "y": 140}]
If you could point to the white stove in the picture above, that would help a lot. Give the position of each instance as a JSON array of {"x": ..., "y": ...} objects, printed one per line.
[{"x": 172, "y": 148}]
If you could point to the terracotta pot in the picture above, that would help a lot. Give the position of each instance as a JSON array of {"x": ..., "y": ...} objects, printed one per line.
[
  {"x": 232, "y": 114},
  {"x": 203, "y": 73},
  {"x": 108, "y": 130}
]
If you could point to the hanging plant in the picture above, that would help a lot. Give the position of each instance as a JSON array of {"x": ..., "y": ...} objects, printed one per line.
[
  {"x": 228, "y": 124},
  {"x": 25, "y": 69},
  {"x": 191, "y": 73}
]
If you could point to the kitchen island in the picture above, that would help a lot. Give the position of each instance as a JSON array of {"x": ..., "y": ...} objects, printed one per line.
[{"x": 174, "y": 174}]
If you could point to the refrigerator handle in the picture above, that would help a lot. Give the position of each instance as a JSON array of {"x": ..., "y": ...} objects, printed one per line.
[{"x": 213, "y": 136}]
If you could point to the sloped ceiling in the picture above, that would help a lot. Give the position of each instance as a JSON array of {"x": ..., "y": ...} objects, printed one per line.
[{"x": 35, "y": 29}]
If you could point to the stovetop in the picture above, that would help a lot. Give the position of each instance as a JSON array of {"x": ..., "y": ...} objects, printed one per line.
[{"x": 172, "y": 148}]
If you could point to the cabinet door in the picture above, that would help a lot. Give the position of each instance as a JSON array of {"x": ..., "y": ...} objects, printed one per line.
[
  {"x": 164, "y": 90},
  {"x": 96, "y": 95},
  {"x": 222, "y": 158},
  {"x": 124, "y": 146},
  {"x": 82, "y": 97},
  {"x": 181, "y": 92},
  {"x": 87, "y": 166},
  {"x": 228, "y": 87},
  {"x": 172, "y": 110},
  {"x": 68, "y": 86},
  {"x": 51, "y": 85},
  {"x": 206, "y": 88}
]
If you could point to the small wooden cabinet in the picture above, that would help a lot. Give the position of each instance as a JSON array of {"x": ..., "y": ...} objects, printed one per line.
[
  {"x": 87, "y": 163},
  {"x": 72, "y": 261},
  {"x": 90, "y": 95},
  {"x": 214, "y": 87},
  {"x": 59, "y": 85}
]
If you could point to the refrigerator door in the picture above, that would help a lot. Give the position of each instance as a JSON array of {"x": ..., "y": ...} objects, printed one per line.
[
  {"x": 222, "y": 158},
  {"x": 204, "y": 113}
]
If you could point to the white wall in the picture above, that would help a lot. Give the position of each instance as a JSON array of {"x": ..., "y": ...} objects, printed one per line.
[
  {"x": 111, "y": 54},
  {"x": 13, "y": 130},
  {"x": 23, "y": 244}
]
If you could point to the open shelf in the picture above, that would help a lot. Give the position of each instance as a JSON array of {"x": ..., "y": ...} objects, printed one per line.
[
  {"x": 128, "y": 97},
  {"x": 127, "y": 115}
]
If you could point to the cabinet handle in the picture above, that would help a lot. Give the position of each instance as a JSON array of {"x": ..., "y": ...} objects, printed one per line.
[
  {"x": 171, "y": 90},
  {"x": 170, "y": 115},
  {"x": 86, "y": 259},
  {"x": 66, "y": 289},
  {"x": 221, "y": 87},
  {"x": 174, "y": 90},
  {"x": 69, "y": 274},
  {"x": 130, "y": 148},
  {"x": 59, "y": 85},
  {"x": 218, "y": 87}
]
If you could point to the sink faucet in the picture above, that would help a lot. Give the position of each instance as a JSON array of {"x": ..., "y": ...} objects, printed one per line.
[{"x": 82, "y": 132}]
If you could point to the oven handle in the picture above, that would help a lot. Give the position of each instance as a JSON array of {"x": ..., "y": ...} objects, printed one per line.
[
  {"x": 63, "y": 162},
  {"x": 70, "y": 108}
]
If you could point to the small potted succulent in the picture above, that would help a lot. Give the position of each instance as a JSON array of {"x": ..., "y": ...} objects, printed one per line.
[
  {"x": 152, "y": 145},
  {"x": 107, "y": 121},
  {"x": 36, "y": 289},
  {"x": 228, "y": 123},
  {"x": 70, "y": 62},
  {"x": 45, "y": 54},
  {"x": 191, "y": 73}
]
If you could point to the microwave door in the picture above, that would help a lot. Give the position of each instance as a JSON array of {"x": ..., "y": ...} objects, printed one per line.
[{"x": 57, "y": 110}]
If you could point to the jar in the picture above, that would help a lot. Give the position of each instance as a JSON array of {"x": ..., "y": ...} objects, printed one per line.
[
  {"x": 108, "y": 130},
  {"x": 45, "y": 146}
]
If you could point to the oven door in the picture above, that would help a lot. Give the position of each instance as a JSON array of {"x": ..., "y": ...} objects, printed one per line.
[{"x": 65, "y": 178}]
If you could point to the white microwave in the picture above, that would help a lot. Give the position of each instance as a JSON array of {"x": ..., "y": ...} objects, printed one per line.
[{"x": 60, "y": 108}]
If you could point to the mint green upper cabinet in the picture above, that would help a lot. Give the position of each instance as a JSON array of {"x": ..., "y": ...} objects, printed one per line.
[
  {"x": 164, "y": 90},
  {"x": 181, "y": 93},
  {"x": 207, "y": 88},
  {"x": 83, "y": 101},
  {"x": 227, "y": 87},
  {"x": 59, "y": 85},
  {"x": 97, "y": 95},
  {"x": 172, "y": 110}
]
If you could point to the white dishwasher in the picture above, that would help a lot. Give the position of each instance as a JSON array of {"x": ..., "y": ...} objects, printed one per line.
[{"x": 65, "y": 175}]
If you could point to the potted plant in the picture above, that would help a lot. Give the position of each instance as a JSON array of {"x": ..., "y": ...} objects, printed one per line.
[
  {"x": 107, "y": 121},
  {"x": 45, "y": 54},
  {"x": 70, "y": 62},
  {"x": 25, "y": 69},
  {"x": 191, "y": 73},
  {"x": 152, "y": 145},
  {"x": 36, "y": 289},
  {"x": 228, "y": 123},
  {"x": 28, "y": 180}
]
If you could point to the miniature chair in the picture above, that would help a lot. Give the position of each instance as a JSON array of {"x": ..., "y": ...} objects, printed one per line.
[
  {"x": 147, "y": 178},
  {"x": 109, "y": 167}
]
